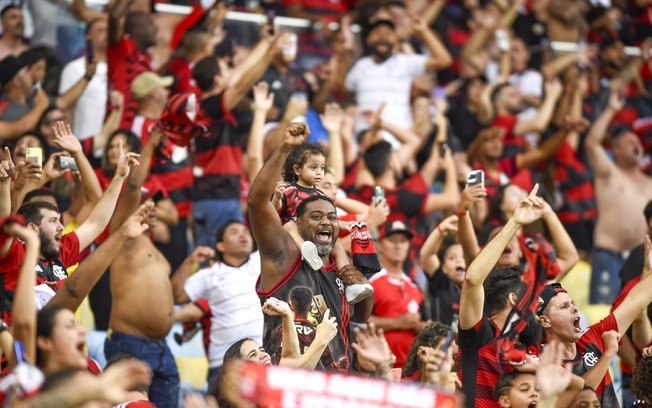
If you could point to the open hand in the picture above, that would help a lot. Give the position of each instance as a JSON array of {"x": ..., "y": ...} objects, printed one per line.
[
  {"x": 552, "y": 377},
  {"x": 372, "y": 346},
  {"x": 332, "y": 118},
  {"x": 263, "y": 99},
  {"x": 65, "y": 139}
]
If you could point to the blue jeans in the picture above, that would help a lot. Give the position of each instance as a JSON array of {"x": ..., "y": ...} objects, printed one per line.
[
  {"x": 605, "y": 280},
  {"x": 164, "y": 390},
  {"x": 209, "y": 215}
]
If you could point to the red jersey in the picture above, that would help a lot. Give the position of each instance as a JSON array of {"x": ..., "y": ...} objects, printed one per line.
[
  {"x": 513, "y": 143},
  {"x": 478, "y": 367},
  {"x": 51, "y": 272},
  {"x": 125, "y": 62},
  {"x": 181, "y": 70},
  {"x": 393, "y": 298}
]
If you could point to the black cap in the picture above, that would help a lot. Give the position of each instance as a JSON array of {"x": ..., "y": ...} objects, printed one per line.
[
  {"x": 395, "y": 227},
  {"x": 547, "y": 294},
  {"x": 9, "y": 67}
]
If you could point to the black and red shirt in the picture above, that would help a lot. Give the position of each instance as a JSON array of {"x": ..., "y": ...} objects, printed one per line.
[
  {"x": 174, "y": 172},
  {"x": 125, "y": 62},
  {"x": 479, "y": 368},
  {"x": 327, "y": 291},
  {"x": 293, "y": 195},
  {"x": 218, "y": 154},
  {"x": 51, "y": 272},
  {"x": 589, "y": 349},
  {"x": 576, "y": 185}
]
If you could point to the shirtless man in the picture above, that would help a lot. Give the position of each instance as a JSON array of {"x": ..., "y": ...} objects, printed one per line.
[
  {"x": 621, "y": 191},
  {"x": 281, "y": 266},
  {"x": 142, "y": 307}
]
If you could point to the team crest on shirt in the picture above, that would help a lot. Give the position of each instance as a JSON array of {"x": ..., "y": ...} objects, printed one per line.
[
  {"x": 340, "y": 285},
  {"x": 590, "y": 359}
]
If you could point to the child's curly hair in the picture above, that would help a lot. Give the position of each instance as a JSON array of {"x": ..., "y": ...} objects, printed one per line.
[
  {"x": 298, "y": 157},
  {"x": 642, "y": 380}
]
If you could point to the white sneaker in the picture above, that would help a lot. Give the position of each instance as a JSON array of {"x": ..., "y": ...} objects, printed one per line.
[
  {"x": 310, "y": 255},
  {"x": 358, "y": 292}
]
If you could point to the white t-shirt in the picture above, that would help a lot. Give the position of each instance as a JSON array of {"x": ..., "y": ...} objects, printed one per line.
[
  {"x": 528, "y": 83},
  {"x": 390, "y": 82},
  {"x": 235, "y": 306},
  {"x": 88, "y": 113}
]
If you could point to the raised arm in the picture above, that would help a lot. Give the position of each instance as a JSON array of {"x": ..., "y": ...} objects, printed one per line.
[
  {"x": 67, "y": 99},
  {"x": 131, "y": 195},
  {"x": 449, "y": 197},
  {"x": 529, "y": 210},
  {"x": 639, "y": 297},
  {"x": 553, "y": 90},
  {"x": 289, "y": 339},
  {"x": 90, "y": 270},
  {"x": 440, "y": 58},
  {"x": 277, "y": 249},
  {"x": 567, "y": 255},
  {"x": 24, "y": 307},
  {"x": 116, "y": 30},
  {"x": 598, "y": 158},
  {"x": 64, "y": 139},
  {"x": 7, "y": 172},
  {"x": 471, "y": 196},
  {"x": 251, "y": 70},
  {"x": 112, "y": 122},
  {"x": 179, "y": 277},
  {"x": 263, "y": 101},
  {"x": 332, "y": 120},
  {"x": 100, "y": 216},
  {"x": 428, "y": 257}
]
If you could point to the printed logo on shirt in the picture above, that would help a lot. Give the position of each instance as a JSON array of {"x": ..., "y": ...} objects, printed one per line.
[
  {"x": 590, "y": 359},
  {"x": 340, "y": 285},
  {"x": 59, "y": 272}
]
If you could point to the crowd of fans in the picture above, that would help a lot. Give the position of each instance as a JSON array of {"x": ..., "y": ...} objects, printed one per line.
[{"x": 396, "y": 191}]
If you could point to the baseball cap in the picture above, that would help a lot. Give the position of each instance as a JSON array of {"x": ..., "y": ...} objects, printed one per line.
[
  {"x": 148, "y": 82},
  {"x": 546, "y": 295},
  {"x": 9, "y": 67},
  {"x": 394, "y": 227}
]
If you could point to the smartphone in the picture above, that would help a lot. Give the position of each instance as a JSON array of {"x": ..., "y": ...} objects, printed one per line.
[
  {"x": 447, "y": 342},
  {"x": 34, "y": 155},
  {"x": 67, "y": 162},
  {"x": 90, "y": 56},
  {"x": 271, "y": 16},
  {"x": 475, "y": 177},
  {"x": 379, "y": 194}
]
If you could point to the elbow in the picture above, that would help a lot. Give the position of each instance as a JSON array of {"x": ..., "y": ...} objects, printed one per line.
[{"x": 471, "y": 278}]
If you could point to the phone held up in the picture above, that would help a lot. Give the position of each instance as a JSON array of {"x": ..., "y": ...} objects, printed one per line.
[
  {"x": 379, "y": 195},
  {"x": 474, "y": 178}
]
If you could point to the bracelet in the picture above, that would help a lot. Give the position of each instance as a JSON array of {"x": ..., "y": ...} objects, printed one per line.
[
  {"x": 442, "y": 232},
  {"x": 461, "y": 213},
  {"x": 88, "y": 78},
  {"x": 3, "y": 327}
]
